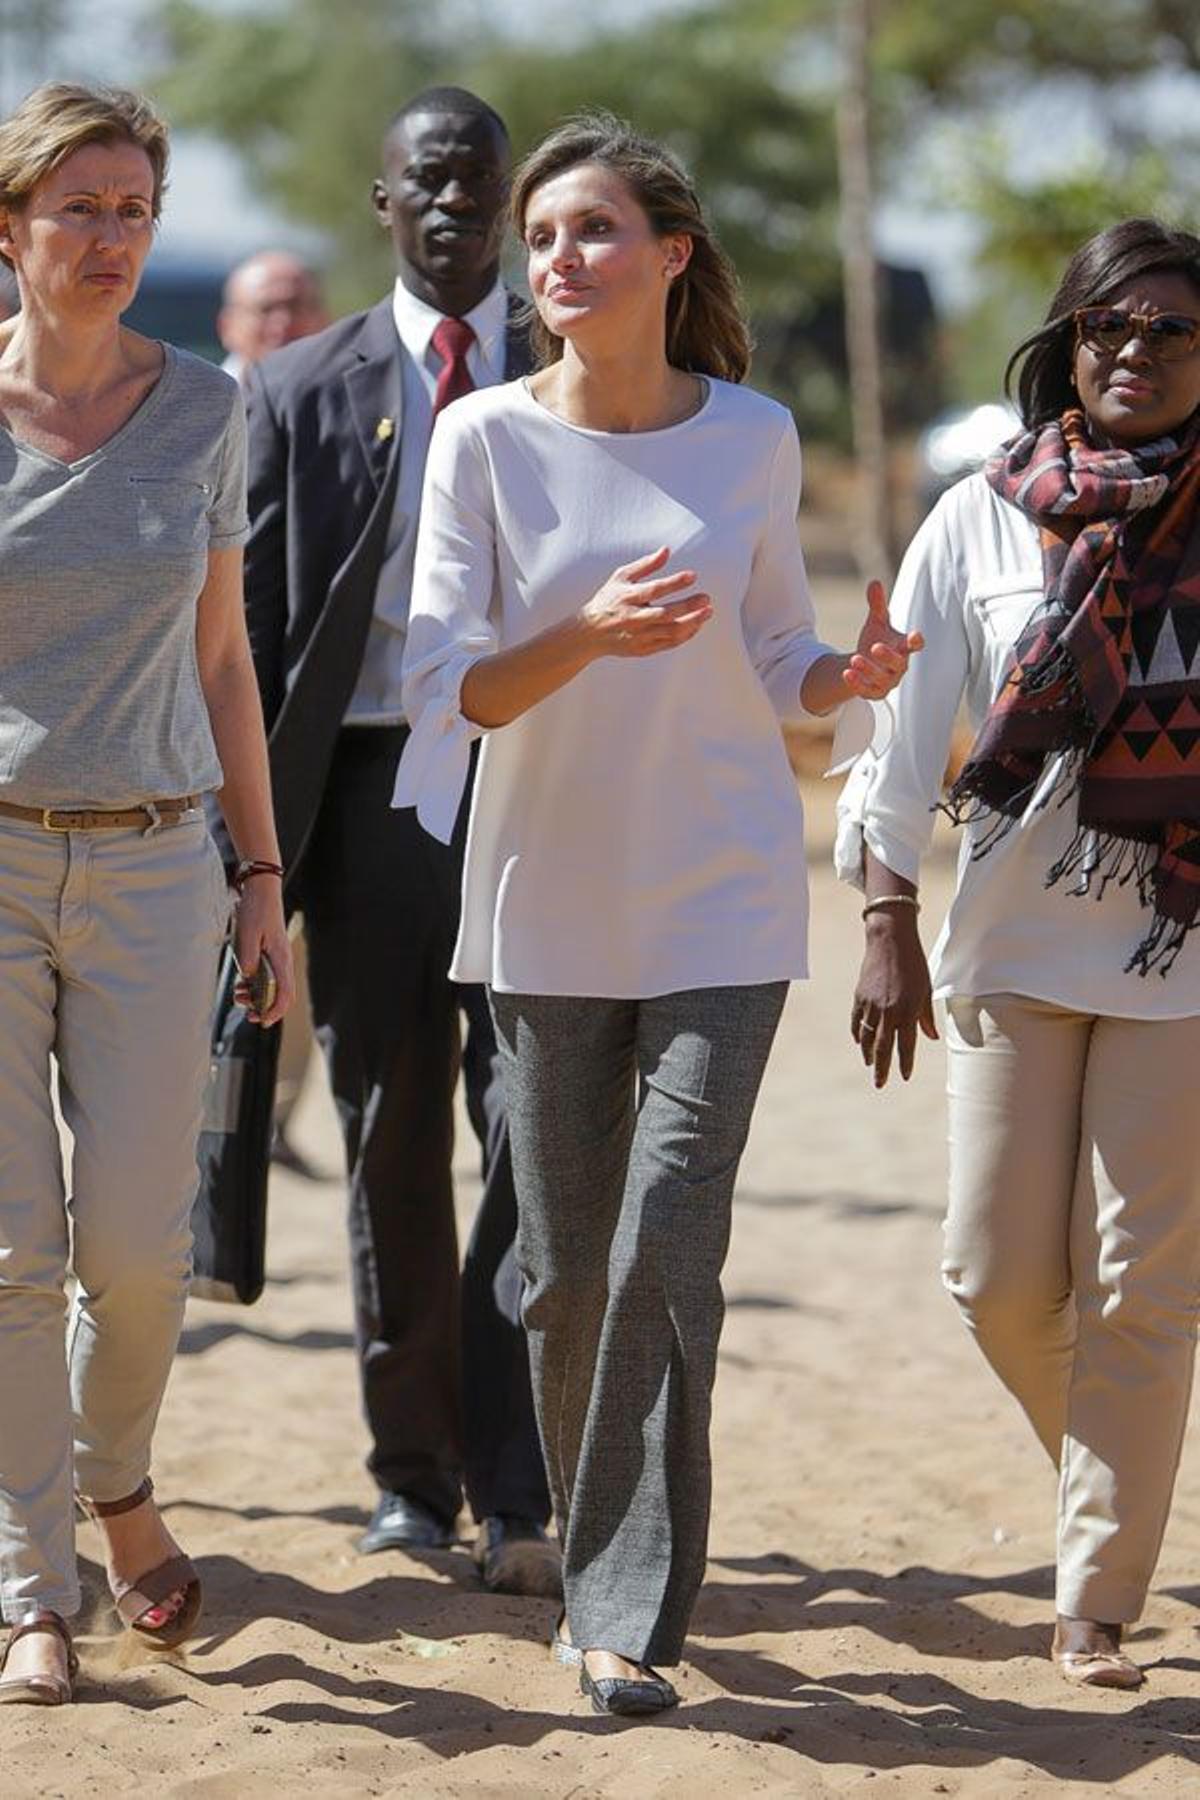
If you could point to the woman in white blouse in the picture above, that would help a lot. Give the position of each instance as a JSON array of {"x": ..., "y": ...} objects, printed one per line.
[
  {"x": 1058, "y": 591},
  {"x": 634, "y": 889}
]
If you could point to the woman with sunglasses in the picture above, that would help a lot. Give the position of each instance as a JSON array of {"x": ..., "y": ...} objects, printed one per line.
[{"x": 1059, "y": 592}]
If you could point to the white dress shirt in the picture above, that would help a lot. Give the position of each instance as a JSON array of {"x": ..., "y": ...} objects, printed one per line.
[
  {"x": 376, "y": 697},
  {"x": 639, "y": 831},
  {"x": 970, "y": 580}
]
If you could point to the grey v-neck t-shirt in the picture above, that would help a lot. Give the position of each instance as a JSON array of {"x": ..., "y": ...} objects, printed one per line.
[{"x": 102, "y": 562}]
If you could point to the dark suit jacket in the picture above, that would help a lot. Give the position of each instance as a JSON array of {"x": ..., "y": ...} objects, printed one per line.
[{"x": 322, "y": 487}]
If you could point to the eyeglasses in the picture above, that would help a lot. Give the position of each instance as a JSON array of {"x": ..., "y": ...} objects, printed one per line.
[{"x": 1166, "y": 336}]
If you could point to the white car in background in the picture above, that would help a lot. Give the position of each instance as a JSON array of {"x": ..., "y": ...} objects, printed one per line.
[{"x": 959, "y": 442}]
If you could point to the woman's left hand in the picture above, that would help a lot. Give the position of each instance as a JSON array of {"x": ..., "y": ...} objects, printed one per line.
[
  {"x": 259, "y": 926},
  {"x": 881, "y": 657}
]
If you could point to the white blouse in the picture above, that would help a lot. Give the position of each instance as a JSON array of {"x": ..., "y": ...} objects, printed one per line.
[
  {"x": 970, "y": 580},
  {"x": 639, "y": 831}
]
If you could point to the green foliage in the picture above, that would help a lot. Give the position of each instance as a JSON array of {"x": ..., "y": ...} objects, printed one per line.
[
  {"x": 965, "y": 68},
  {"x": 1030, "y": 231},
  {"x": 304, "y": 98},
  {"x": 968, "y": 50},
  {"x": 744, "y": 90},
  {"x": 761, "y": 156},
  {"x": 304, "y": 105}
]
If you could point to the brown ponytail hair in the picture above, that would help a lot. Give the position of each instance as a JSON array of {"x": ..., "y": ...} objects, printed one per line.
[{"x": 707, "y": 332}]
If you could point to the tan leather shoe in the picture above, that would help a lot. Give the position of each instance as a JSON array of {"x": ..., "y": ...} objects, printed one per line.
[
  {"x": 1098, "y": 1668},
  {"x": 42, "y": 1689}
]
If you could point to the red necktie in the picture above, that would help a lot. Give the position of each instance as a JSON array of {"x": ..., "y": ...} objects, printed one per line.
[{"x": 452, "y": 339}]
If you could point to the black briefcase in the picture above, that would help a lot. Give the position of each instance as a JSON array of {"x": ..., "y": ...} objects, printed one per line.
[{"x": 229, "y": 1219}]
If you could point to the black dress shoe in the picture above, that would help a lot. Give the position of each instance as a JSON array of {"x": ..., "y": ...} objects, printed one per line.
[
  {"x": 628, "y": 1697},
  {"x": 515, "y": 1556},
  {"x": 399, "y": 1523}
]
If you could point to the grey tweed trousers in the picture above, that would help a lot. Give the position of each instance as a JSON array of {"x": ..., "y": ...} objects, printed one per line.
[{"x": 628, "y": 1119}]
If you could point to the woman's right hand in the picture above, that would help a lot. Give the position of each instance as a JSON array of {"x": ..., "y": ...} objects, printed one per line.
[
  {"x": 634, "y": 613},
  {"x": 894, "y": 995}
]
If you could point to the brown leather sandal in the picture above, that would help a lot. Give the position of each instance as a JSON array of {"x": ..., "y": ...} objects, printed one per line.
[
  {"x": 133, "y": 1599},
  {"x": 38, "y": 1690}
]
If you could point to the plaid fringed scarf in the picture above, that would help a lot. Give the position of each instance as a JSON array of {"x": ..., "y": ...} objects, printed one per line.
[{"x": 1107, "y": 671}]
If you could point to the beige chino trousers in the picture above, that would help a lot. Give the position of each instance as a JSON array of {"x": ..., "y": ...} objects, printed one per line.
[
  {"x": 1072, "y": 1247},
  {"x": 108, "y": 952}
]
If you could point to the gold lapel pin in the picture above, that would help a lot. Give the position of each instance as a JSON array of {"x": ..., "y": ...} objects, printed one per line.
[{"x": 385, "y": 430}]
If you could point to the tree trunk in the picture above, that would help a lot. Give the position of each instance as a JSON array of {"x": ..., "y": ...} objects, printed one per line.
[{"x": 860, "y": 277}]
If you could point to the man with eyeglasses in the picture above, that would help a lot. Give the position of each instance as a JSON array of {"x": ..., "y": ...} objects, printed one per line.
[
  {"x": 339, "y": 430},
  {"x": 270, "y": 299}
]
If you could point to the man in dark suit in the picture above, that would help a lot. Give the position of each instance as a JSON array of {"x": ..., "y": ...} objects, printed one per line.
[{"x": 339, "y": 431}]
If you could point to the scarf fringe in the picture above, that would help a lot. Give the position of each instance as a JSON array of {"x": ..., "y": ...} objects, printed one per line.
[
  {"x": 1114, "y": 859},
  {"x": 1160, "y": 946},
  {"x": 966, "y": 805},
  {"x": 1118, "y": 534}
]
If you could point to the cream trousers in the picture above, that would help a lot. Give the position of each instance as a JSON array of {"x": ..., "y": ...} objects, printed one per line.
[
  {"x": 1072, "y": 1246},
  {"x": 108, "y": 952}
]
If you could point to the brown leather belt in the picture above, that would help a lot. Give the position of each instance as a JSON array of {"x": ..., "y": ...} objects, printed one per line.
[{"x": 146, "y": 817}]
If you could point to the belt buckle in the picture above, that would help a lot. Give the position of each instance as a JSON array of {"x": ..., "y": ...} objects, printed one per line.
[{"x": 51, "y": 816}]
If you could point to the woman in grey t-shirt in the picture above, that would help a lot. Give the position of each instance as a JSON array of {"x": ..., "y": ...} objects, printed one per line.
[{"x": 126, "y": 693}]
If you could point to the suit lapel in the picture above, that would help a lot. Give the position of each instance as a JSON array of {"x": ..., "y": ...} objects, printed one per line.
[
  {"x": 309, "y": 720},
  {"x": 375, "y": 381},
  {"x": 322, "y": 681},
  {"x": 375, "y": 391}
]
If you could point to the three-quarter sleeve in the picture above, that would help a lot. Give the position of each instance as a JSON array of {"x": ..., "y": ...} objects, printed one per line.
[
  {"x": 778, "y": 620},
  {"x": 887, "y": 804},
  {"x": 451, "y": 624}
]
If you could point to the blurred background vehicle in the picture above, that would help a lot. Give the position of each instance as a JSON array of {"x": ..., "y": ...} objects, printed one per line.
[
  {"x": 179, "y": 299},
  {"x": 957, "y": 442}
]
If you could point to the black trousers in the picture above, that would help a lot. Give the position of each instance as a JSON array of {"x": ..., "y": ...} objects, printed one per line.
[{"x": 444, "y": 1365}]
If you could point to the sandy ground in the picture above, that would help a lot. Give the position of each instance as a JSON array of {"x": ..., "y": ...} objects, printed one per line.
[{"x": 878, "y": 1598}]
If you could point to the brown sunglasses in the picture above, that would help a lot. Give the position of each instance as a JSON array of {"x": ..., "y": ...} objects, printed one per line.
[{"x": 1166, "y": 336}]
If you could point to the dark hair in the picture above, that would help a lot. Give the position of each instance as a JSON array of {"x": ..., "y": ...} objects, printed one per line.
[
  {"x": 1098, "y": 270},
  {"x": 459, "y": 101},
  {"x": 706, "y": 328}
]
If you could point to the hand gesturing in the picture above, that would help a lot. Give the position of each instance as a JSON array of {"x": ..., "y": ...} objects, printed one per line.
[
  {"x": 639, "y": 611},
  {"x": 881, "y": 656}
]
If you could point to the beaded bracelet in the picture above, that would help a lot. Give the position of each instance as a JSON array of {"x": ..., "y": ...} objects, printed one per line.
[
  {"x": 250, "y": 867},
  {"x": 891, "y": 900}
]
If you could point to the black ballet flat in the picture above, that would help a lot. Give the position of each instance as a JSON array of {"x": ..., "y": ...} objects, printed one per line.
[{"x": 628, "y": 1697}]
